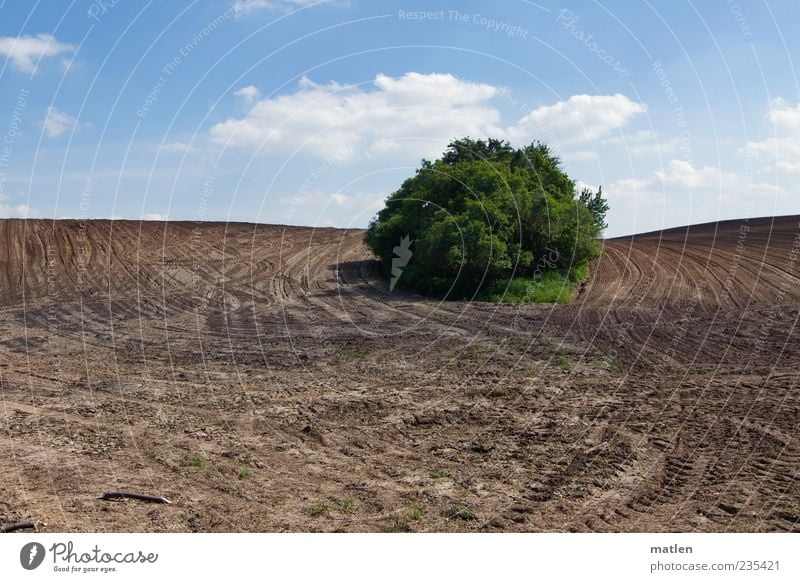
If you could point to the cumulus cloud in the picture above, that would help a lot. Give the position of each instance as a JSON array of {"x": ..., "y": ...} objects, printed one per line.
[
  {"x": 26, "y": 51},
  {"x": 335, "y": 120},
  {"x": 780, "y": 152},
  {"x": 784, "y": 117},
  {"x": 248, "y": 94},
  {"x": 56, "y": 122},
  {"x": 416, "y": 114},
  {"x": 580, "y": 118},
  {"x": 243, "y": 8}
]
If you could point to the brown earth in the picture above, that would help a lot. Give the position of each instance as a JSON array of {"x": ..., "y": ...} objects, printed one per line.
[{"x": 262, "y": 379}]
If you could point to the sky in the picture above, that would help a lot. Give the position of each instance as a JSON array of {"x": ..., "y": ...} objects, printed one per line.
[{"x": 311, "y": 112}]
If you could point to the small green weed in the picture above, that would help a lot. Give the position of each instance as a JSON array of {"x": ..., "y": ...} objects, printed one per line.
[
  {"x": 414, "y": 513},
  {"x": 318, "y": 509}
]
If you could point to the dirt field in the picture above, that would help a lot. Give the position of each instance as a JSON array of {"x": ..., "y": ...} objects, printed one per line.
[{"x": 261, "y": 378}]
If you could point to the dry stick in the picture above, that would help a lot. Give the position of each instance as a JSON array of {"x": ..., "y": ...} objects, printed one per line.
[
  {"x": 17, "y": 526},
  {"x": 109, "y": 495}
]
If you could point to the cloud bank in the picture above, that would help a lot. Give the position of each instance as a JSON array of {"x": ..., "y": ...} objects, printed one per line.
[{"x": 416, "y": 114}]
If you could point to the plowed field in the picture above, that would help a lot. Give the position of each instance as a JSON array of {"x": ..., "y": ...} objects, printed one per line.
[{"x": 262, "y": 379}]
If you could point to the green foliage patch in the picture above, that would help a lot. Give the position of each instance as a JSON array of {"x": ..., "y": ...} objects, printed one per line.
[{"x": 487, "y": 221}]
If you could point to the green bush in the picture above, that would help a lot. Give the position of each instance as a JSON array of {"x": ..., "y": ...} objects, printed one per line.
[{"x": 486, "y": 213}]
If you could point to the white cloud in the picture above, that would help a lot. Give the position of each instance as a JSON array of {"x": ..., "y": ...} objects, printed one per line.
[
  {"x": 780, "y": 152},
  {"x": 684, "y": 193},
  {"x": 56, "y": 122},
  {"x": 322, "y": 209},
  {"x": 581, "y": 118},
  {"x": 18, "y": 211},
  {"x": 580, "y": 156},
  {"x": 681, "y": 178},
  {"x": 784, "y": 117},
  {"x": 682, "y": 174},
  {"x": 26, "y": 51},
  {"x": 632, "y": 189},
  {"x": 580, "y": 185},
  {"x": 339, "y": 198},
  {"x": 244, "y": 7},
  {"x": 175, "y": 147},
  {"x": 643, "y": 143},
  {"x": 414, "y": 115},
  {"x": 248, "y": 94},
  {"x": 155, "y": 216},
  {"x": 681, "y": 193}
]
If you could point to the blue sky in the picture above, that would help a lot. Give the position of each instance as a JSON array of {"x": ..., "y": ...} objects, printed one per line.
[{"x": 303, "y": 112}]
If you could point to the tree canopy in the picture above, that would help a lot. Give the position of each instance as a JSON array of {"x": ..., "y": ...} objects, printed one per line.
[{"x": 485, "y": 211}]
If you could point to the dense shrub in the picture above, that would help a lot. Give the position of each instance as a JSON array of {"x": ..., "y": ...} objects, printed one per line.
[{"x": 483, "y": 213}]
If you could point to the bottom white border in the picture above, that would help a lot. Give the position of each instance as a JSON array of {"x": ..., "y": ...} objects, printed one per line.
[{"x": 374, "y": 557}]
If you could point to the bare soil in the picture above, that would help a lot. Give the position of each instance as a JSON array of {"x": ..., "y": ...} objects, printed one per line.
[{"x": 262, "y": 379}]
